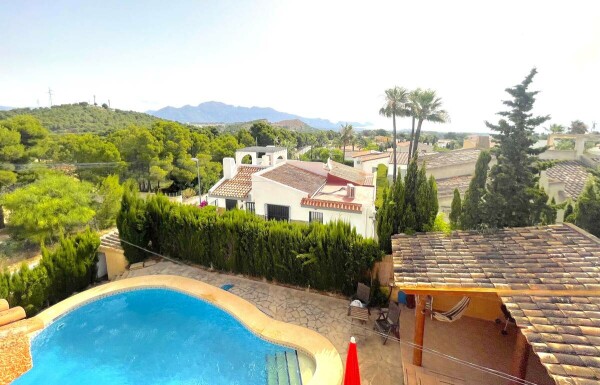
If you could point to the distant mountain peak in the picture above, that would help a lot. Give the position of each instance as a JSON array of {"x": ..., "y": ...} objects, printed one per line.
[{"x": 218, "y": 112}]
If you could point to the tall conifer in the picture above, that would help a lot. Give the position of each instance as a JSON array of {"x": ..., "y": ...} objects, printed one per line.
[
  {"x": 473, "y": 213},
  {"x": 456, "y": 210},
  {"x": 513, "y": 189}
]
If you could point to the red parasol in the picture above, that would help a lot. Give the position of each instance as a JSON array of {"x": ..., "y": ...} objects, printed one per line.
[{"x": 352, "y": 375}]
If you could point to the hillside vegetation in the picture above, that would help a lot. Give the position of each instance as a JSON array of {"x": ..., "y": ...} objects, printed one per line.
[{"x": 83, "y": 117}]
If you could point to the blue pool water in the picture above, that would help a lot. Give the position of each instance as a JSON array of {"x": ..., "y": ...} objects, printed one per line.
[{"x": 149, "y": 336}]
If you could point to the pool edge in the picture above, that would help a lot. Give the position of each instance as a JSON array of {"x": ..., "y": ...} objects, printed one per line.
[{"x": 328, "y": 363}]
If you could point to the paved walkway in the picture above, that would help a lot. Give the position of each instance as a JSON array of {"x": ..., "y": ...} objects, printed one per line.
[{"x": 379, "y": 364}]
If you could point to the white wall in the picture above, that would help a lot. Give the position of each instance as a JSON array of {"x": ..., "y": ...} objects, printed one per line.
[{"x": 266, "y": 191}]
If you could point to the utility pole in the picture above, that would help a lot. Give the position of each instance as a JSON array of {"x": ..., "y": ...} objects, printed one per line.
[
  {"x": 108, "y": 103},
  {"x": 50, "y": 95},
  {"x": 95, "y": 100}
]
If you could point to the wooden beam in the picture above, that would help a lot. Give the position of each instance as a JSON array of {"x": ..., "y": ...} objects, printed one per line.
[
  {"x": 482, "y": 292},
  {"x": 419, "y": 330},
  {"x": 520, "y": 358}
]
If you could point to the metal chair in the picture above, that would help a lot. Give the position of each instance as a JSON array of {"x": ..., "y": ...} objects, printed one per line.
[{"x": 388, "y": 322}]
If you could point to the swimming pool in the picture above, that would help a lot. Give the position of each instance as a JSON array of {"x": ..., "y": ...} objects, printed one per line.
[{"x": 149, "y": 336}]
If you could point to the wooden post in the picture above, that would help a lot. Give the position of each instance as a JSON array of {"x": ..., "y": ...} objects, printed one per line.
[
  {"x": 520, "y": 358},
  {"x": 419, "y": 330}
]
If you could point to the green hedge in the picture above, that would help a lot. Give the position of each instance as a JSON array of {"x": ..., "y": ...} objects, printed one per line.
[
  {"x": 69, "y": 268},
  {"x": 326, "y": 257}
]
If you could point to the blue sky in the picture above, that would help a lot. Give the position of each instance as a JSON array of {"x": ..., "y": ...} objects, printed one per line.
[{"x": 328, "y": 59}]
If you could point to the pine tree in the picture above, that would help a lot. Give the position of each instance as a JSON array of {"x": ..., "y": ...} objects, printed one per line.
[
  {"x": 513, "y": 190},
  {"x": 472, "y": 215},
  {"x": 456, "y": 210},
  {"x": 587, "y": 209}
]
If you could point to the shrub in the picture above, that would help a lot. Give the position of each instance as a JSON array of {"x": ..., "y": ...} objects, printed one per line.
[
  {"x": 69, "y": 268},
  {"x": 326, "y": 257}
]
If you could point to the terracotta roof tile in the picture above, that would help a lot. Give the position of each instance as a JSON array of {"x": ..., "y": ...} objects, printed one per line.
[
  {"x": 334, "y": 205},
  {"x": 365, "y": 158},
  {"x": 401, "y": 158},
  {"x": 351, "y": 174},
  {"x": 556, "y": 257},
  {"x": 441, "y": 159},
  {"x": 239, "y": 186},
  {"x": 574, "y": 175},
  {"x": 446, "y": 186},
  {"x": 296, "y": 177}
]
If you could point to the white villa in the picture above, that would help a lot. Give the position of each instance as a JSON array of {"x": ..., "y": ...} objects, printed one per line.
[{"x": 278, "y": 188}]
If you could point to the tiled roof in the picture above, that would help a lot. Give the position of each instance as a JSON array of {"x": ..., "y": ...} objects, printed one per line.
[
  {"x": 351, "y": 174},
  {"x": 449, "y": 158},
  {"x": 296, "y": 177},
  {"x": 265, "y": 149},
  {"x": 556, "y": 257},
  {"x": 401, "y": 158},
  {"x": 331, "y": 204},
  {"x": 446, "y": 186},
  {"x": 564, "y": 331},
  {"x": 574, "y": 175},
  {"x": 239, "y": 186},
  {"x": 365, "y": 158}
]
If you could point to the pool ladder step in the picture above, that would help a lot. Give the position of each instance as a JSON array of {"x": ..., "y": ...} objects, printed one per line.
[{"x": 283, "y": 368}]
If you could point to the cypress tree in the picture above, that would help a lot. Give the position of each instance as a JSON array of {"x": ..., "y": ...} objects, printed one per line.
[
  {"x": 456, "y": 210},
  {"x": 385, "y": 220},
  {"x": 434, "y": 205},
  {"x": 569, "y": 217},
  {"x": 473, "y": 214},
  {"x": 587, "y": 209},
  {"x": 513, "y": 190},
  {"x": 396, "y": 198},
  {"x": 422, "y": 202},
  {"x": 409, "y": 209}
]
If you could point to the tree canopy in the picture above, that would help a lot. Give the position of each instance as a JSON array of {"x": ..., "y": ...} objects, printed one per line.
[{"x": 514, "y": 198}]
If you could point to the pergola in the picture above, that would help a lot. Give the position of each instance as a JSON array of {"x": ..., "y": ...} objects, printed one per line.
[{"x": 548, "y": 277}]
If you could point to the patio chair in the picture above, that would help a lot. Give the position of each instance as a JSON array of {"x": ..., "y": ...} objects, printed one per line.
[
  {"x": 363, "y": 294},
  {"x": 388, "y": 322}
]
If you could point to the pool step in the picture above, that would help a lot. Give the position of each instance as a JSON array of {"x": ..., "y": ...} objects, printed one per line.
[{"x": 283, "y": 369}]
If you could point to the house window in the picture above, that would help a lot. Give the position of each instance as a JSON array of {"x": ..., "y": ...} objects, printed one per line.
[
  {"x": 315, "y": 216},
  {"x": 278, "y": 213},
  {"x": 230, "y": 204},
  {"x": 250, "y": 207}
]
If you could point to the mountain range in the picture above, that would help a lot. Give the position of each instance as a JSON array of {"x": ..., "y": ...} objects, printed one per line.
[
  {"x": 4, "y": 108},
  {"x": 217, "y": 112}
]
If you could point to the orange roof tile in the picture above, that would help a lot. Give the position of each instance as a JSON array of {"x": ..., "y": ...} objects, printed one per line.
[
  {"x": 331, "y": 204},
  {"x": 239, "y": 186}
]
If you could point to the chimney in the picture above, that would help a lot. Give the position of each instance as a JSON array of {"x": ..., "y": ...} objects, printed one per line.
[
  {"x": 350, "y": 190},
  {"x": 265, "y": 160},
  {"x": 229, "y": 169}
]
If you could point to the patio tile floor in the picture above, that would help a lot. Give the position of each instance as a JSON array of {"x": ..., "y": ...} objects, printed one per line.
[{"x": 469, "y": 339}]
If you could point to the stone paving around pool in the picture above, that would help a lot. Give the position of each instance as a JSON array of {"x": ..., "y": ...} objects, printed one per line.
[{"x": 379, "y": 364}]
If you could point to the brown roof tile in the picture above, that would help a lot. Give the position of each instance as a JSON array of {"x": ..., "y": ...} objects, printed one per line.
[
  {"x": 556, "y": 257},
  {"x": 351, "y": 174},
  {"x": 446, "y": 186},
  {"x": 239, "y": 186},
  {"x": 574, "y": 175},
  {"x": 441, "y": 159},
  {"x": 334, "y": 205},
  {"x": 296, "y": 177}
]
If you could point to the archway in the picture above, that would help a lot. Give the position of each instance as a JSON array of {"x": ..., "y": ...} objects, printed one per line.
[{"x": 247, "y": 159}]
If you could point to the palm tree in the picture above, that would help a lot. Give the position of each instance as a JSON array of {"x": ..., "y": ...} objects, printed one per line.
[
  {"x": 427, "y": 106},
  {"x": 396, "y": 104},
  {"x": 346, "y": 134},
  {"x": 556, "y": 129},
  {"x": 411, "y": 112}
]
